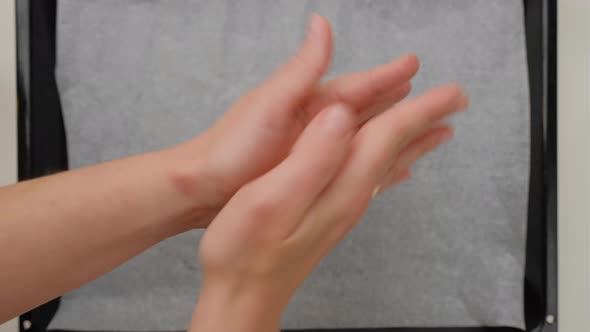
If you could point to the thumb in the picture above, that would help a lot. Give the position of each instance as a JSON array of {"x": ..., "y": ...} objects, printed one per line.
[{"x": 296, "y": 79}]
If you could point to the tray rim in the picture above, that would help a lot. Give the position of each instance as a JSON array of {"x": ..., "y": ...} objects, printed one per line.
[{"x": 541, "y": 32}]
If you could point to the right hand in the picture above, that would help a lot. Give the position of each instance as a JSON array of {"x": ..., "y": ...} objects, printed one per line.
[{"x": 276, "y": 229}]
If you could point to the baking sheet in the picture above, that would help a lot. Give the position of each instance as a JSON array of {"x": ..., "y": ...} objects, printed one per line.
[{"x": 446, "y": 249}]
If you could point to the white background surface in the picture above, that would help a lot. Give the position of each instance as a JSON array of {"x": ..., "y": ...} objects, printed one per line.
[
  {"x": 574, "y": 165},
  {"x": 574, "y": 151}
]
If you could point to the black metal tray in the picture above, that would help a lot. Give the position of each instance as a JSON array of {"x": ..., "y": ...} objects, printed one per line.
[{"x": 42, "y": 149}]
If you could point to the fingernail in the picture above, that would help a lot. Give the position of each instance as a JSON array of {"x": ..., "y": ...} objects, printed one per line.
[
  {"x": 338, "y": 119},
  {"x": 313, "y": 23}
]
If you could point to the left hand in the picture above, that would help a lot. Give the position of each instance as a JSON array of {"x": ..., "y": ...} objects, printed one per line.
[{"x": 258, "y": 132}]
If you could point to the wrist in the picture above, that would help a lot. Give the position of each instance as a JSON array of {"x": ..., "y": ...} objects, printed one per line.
[
  {"x": 188, "y": 172},
  {"x": 223, "y": 307}
]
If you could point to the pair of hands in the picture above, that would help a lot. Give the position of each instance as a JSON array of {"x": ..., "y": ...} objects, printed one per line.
[{"x": 292, "y": 167}]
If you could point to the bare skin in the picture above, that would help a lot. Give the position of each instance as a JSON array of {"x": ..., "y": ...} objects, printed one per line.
[{"x": 283, "y": 176}]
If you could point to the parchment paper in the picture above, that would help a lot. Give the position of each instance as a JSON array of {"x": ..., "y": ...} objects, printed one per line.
[{"x": 445, "y": 249}]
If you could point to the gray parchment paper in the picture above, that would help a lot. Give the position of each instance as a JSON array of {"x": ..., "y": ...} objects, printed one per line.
[{"x": 446, "y": 249}]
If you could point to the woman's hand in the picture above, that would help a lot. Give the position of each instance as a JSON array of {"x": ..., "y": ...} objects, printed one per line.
[
  {"x": 259, "y": 130},
  {"x": 295, "y": 202},
  {"x": 276, "y": 229}
]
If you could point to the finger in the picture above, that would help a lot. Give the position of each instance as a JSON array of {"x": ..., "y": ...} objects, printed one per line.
[
  {"x": 410, "y": 118},
  {"x": 298, "y": 77},
  {"x": 383, "y": 137},
  {"x": 289, "y": 189},
  {"x": 360, "y": 89},
  {"x": 417, "y": 149},
  {"x": 346, "y": 198},
  {"x": 385, "y": 102}
]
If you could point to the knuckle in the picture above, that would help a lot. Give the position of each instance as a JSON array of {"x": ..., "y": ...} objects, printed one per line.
[
  {"x": 259, "y": 206},
  {"x": 339, "y": 97},
  {"x": 375, "y": 86},
  {"x": 342, "y": 223},
  {"x": 342, "y": 220},
  {"x": 301, "y": 60},
  {"x": 339, "y": 220}
]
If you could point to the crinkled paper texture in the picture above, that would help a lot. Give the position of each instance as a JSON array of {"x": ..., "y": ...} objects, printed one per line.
[{"x": 445, "y": 249}]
